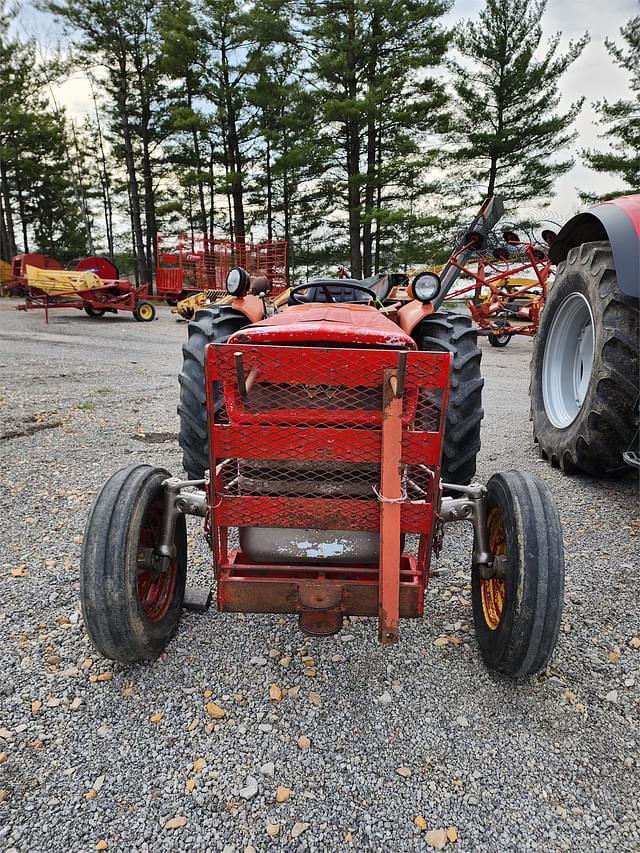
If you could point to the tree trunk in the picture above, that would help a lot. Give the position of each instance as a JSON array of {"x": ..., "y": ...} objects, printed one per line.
[
  {"x": 378, "y": 234},
  {"x": 142, "y": 69},
  {"x": 7, "y": 217},
  {"x": 198, "y": 161},
  {"x": 134, "y": 192},
  {"x": 79, "y": 189},
  {"x": 212, "y": 193},
  {"x": 493, "y": 171},
  {"x": 286, "y": 207},
  {"x": 269, "y": 194},
  {"x": 372, "y": 138},
  {"x": 23, "y": 214},
  {"x": 235, "y": 155},
  {"x": 103, "y": 172},
  {"x": 352, "y": 129}
]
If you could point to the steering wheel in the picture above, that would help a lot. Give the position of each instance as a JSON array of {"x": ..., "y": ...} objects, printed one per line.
[{"x": 325, "y": 289}]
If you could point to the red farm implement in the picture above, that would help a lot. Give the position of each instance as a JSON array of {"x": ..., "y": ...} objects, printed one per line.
[
  {"x": 14, "y": 275},
  {"x": 504, "y": 302},
  {"x": 85, "y": 291},
  {"x": 348, "y": 475},
  {"x": 186, "y": 265},
  {"x": 508, "y": 276},
  {"x": 328, "y": 439}
]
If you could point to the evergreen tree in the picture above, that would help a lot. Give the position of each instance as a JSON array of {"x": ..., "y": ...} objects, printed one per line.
[
  {"x": 376, "y": 101},
  {"x": 121, "y": 36},
  {"x": 183, "y": 59},
  {"x": 508, "y": 136},
  {"x": 41, "y": 188},
  {"x": 225, "y": 37},
  {"x": 622, "y": 117}
]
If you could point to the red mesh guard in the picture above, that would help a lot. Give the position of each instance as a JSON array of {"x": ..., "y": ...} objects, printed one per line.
[{"x": 302, "y": 447}]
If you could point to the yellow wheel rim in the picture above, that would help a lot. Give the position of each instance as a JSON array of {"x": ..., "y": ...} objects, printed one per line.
[
  {"x": 492, "y": 589},
  {"x": 145, "y": 312}
]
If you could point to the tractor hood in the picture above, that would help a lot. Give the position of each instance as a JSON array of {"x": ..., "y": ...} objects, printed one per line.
[{"x": 345, "y": 325}]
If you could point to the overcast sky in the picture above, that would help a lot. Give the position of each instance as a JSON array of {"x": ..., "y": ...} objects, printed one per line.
[{"x": 593, "y": 75}]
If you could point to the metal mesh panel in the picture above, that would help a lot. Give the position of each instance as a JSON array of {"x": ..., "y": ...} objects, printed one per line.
[
  {"x": 304, "y": 425},
  {"x": 195, "y": 262}
]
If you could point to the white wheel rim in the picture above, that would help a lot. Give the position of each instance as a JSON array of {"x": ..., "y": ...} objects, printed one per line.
[{"x": 568, "y": 361}]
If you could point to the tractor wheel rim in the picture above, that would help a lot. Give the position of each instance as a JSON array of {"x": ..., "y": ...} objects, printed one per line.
[
  {"x": 492, "y": 590},
  {"x": 155, "y": 589},
  {"x": 568, "y": 361},
  {"x": 145, "y": 312}
]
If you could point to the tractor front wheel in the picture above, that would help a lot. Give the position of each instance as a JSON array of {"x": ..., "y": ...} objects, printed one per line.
[
  {"x": 517, "y": 612},
  {"x": 454, "y": 333},
  {"x": 130, "y": 611}
]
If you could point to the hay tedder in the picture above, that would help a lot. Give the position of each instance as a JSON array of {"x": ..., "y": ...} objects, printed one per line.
[
  {"x": 329, "y": 436},
  {"x": 505, "y": 277}
]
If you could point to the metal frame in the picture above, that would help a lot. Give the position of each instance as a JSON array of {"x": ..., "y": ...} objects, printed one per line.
[
  {"x": 195, "y": 262},
  {"x": 489, "y": 274},
  {"x": 321, "y": 602},
  {"x": 111, "y": 296}
]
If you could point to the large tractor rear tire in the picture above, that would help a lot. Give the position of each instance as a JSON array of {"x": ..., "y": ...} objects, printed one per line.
[
  {"x": 444, "y": 332},
  {"x": 211, "y": 325},
  {"x": 584, "y": 371}
]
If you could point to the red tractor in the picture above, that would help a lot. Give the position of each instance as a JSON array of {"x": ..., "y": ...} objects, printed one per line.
[{"x": 329, "y": 435}]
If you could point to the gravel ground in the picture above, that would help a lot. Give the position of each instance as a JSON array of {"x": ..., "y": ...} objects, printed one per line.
[{"x": 100, "y": 756}]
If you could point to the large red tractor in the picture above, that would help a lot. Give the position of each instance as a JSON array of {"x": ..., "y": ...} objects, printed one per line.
[
  {"x": 585, "y": 370},
  {"x": 329, "y": 435}
]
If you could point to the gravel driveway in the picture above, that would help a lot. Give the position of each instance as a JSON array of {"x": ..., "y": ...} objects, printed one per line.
[{"x": 367, "y": 748}]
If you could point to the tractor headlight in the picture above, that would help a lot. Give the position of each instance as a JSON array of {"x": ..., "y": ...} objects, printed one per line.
[
  {"x": 237, "y": 281},
  {"x": 425, "y": 287}
]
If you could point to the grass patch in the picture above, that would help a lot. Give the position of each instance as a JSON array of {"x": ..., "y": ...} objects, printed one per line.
[
  {"x": 85, "y": 407},
  {"x": 104, "y": 390}
]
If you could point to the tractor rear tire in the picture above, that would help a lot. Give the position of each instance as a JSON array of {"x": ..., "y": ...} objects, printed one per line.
[
  {"x": 517, "y": 615},
  {"x": 584, "y": 371},
  {"x": 211, "y": 325},
  {"x": 130, "y": 613},
  {"x": 445, "y": 332}
]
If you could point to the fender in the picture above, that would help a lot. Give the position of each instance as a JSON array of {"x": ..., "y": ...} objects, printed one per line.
[
  {"x": 618, "y": 221},
  {"x": 413, "y": 313},
  {"x": 251, "y": 306}
]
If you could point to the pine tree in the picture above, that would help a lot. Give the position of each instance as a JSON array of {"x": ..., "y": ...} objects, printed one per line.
[
  {"x": 226, "y": 41},
  {"x": 508, "y": 135},
  {"x": 183, "y": 58},
  {"x": 122, "y": 35},
  {"x": 41, "y": 189},
  {"x": 376, "y": 102},
  {"x": 622, "y": 117}
]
